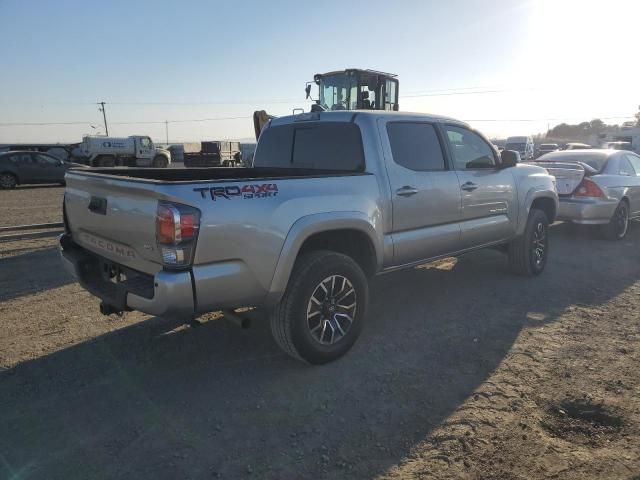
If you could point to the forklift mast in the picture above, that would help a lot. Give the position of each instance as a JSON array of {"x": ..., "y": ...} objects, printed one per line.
[{"x": 355, "y": 89}]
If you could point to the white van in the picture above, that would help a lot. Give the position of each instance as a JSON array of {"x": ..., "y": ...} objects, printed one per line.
[{"x": 522, "y": 145}]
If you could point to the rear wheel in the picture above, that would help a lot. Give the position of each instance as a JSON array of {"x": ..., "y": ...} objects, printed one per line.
[
  {"x": 322, "y": 311},
  {"x": 159, "y": 162},
  {"x": 8, "y": 180},
  {"x": 528, "y": 253},
  {"x": 617, "y": 227},
  {"x": 106, "y": 161}
]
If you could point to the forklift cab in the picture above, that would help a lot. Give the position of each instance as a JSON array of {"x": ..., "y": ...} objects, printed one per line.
[{"x": 355, "y": 89}]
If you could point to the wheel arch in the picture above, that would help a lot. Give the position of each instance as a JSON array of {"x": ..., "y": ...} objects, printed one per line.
[
  {"x": 547, "y": 205},
  {"x": 545, "y": 200},
  {"x": 350, "y": 233}
]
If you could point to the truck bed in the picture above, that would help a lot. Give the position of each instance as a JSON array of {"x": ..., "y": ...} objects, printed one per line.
[{"x": 196, "y": 175}]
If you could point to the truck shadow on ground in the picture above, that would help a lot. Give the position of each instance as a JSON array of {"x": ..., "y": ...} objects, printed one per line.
[
  {"x": 156, "y": 401},
  {"x": 31, "y": 272}
]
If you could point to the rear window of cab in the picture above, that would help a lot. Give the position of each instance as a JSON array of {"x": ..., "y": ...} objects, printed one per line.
[{"x": 312, "y": 145}]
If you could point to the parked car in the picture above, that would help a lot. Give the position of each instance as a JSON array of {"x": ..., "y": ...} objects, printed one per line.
[
  {"x": 547, "y": 147},
  {"x": 597, "y": 187},
  {"x": 332, "y": 199},
  {"x": 618, "y": 146},
  {"x": 522, "y": 145},
  {"x": 577, "y": 146},
  {"x": 23, "y": 167}
]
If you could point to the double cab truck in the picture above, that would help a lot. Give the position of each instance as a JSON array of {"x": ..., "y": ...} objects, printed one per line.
[
  {"x": 332, "y": 199},
  {"x": 133, "y": 151}
]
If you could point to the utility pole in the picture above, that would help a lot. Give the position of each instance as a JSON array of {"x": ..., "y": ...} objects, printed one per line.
[
  {"x": 104, "y": 116},
  {"x": 166, "y": 130}
]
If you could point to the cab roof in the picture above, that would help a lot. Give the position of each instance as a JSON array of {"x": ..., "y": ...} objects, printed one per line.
[{"x": 351, "y": 115}]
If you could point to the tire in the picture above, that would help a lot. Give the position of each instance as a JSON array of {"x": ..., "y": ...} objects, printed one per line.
[
  {"x": 107, "y": 161},
  {"x": 528, "y": 253},
  {"x": 8, "y": 180},
  {"x": 300, "y": 325},
  {"x": 618, "y": 225},
  {"x": 159, "y": 162}
]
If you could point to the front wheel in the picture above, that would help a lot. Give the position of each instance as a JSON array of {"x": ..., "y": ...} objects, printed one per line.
[
  {"x": 528, "y": 253},
  {"x": 617, "y": 227},
  {"x": 159, "y": 162},
  {"x": 321, "y": 314}
]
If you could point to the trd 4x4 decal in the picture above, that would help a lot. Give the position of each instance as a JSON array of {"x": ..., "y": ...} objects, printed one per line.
[{"x": 239, "y": 191}]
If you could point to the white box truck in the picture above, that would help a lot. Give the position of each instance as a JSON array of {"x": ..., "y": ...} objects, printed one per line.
[
  {"x": 522, "y": 145},
  {"x": 133, "y": 151}
]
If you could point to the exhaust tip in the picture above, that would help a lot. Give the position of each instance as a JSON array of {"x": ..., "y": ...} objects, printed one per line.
[{"x": 106, "y": 309}]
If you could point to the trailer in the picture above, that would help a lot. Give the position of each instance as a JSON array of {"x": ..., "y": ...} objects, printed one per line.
[{"x": 213, "y": 154}]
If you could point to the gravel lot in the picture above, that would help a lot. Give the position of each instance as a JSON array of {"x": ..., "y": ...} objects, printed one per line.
[
  {"x": 463, "y": 371},
  {"x": 31, "y": 204}
]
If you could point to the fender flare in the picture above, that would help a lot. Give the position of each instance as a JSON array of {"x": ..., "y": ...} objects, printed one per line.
[
  {"x": 307, "y": 226},
  {"x": 535, "y": 192}
]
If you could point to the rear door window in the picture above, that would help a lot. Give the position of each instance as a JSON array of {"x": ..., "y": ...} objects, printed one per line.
[
  {"x": 318, "y": 146},
  {"x": 634, "y": 160},
  {"x": 415, "y": 146},
  {"x": 47, "y": 161},
  {"x": 625, "y": 167}
]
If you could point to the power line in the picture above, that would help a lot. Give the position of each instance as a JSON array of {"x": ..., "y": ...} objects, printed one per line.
[
  {"x": 26, "y": 124},
  {"x": 558, "y": 119},
  {"x": 411, "y": 94},
  {"x": 213, "y": 119},
  {"x": 452, "y": 93}
]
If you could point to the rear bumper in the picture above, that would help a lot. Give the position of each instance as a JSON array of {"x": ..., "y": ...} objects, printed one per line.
[
  {"x": 588, "y": 211},
  {"x": 164, "y": 294}
]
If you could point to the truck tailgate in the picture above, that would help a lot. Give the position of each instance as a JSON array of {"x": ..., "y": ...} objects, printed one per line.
[{"x": 114, "y": 218}]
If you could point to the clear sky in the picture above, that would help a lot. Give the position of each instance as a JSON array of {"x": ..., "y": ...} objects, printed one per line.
[{"x": 508, "y": 66}]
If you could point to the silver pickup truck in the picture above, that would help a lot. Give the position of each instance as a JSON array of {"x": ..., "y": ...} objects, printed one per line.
[{"x": 333, "y": 198}]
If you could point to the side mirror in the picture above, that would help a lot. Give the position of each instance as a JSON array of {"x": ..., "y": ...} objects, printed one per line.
[
  {"x": 307, "y": 90},
  {"x": 509, "y": 158}
]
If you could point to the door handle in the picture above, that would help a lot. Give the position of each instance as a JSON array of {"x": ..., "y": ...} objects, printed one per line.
[
  {"x": 469, "y": 186},
  {"x": 406, "y": 191}
]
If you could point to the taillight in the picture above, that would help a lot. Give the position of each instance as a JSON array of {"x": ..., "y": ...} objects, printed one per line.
[
  {"x": 588, "y": 188},
  {"x": 176, "y": 233}
]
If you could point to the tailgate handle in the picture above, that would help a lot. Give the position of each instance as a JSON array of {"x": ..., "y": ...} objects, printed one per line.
[{"x": 98, "y": 205}]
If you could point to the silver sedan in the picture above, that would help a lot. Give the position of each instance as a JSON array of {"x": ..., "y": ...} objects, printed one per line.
[{"x": 597, "y": 187}]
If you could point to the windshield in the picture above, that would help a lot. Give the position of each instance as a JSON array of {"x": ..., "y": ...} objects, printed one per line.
[
  {"x": 338, "y": 92},
  {"x": 515, "y": 146}
]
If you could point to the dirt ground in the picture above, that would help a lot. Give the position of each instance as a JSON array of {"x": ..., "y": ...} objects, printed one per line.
[
  {"x": 463, "y": 371},
  {"x": 31, "y": 204}
]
